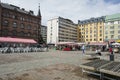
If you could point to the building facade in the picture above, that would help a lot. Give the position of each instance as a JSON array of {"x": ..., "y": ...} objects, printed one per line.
[
  {"x": 112, "y": 27},
  {"x": 19, "y": 23},
  {"x": 61, "y": 30},
  {"x": 91, "y": 30},
  {"x": 44, "y": 33}
]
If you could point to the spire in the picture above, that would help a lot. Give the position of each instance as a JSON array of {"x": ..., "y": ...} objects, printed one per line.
[
  {"x": 0, "y": 2},
  {"x": 39, "y": 13}
]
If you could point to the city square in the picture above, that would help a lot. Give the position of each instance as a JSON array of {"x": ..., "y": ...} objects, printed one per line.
[
  {"x": 52, "y": 65},
  {"x": 59, "y": 40}
]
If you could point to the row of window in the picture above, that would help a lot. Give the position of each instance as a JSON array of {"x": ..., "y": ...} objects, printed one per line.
[
  {"x": 91, "y": 24},
  {"x": 90, "y": 28},
  {"x": 15, "y": 33},
  {"x": 20, "y": 17},
  {"x": 91, "y": 39},
  {"x": 112, "y": 32},
  {"x": 112, "y": 27},
  {"x": 112, "y": 36},
  {"x": 15, "y": 25},
  {"x": 112, "y": 22}
]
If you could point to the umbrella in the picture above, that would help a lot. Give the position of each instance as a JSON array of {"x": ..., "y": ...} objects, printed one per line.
[{"x": 116, "y": 44}]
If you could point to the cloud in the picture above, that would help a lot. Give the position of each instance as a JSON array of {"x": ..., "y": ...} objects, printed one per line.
[{"x": 71, "y": 9}]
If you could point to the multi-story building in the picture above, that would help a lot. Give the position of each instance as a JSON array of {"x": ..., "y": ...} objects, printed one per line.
[
  {"x": 19, "y": 23},
  {"x": 44, "y": 33},
  {"x": 61, "y": 30},
  {"x": 91, "y": 30},
  {"x": 112, "y": 27}
]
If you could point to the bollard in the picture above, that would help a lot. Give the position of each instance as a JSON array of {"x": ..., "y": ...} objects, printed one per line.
[{"x": 111, "y": 57}]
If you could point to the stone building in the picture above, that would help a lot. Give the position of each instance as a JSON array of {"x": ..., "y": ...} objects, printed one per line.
[{"x": 16, "y": 22}]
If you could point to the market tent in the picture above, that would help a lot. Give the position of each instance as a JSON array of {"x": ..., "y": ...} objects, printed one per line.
[
  {"x": 63, "y": 43},
  {"x": 98, "y": 43},
  {"x": 16, "y": 40},
  {"x": 116, "y": 44}
]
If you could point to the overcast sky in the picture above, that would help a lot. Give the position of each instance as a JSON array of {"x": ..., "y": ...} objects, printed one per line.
[{"x": 71, "y": 9}]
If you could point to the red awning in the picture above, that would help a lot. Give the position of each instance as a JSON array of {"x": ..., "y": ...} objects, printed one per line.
[{"x": 16, "y": 40}]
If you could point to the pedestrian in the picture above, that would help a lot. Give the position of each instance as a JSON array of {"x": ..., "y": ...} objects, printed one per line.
[
  {"x": 83, "y": 48},
  {"x": 110, "y": 50}
]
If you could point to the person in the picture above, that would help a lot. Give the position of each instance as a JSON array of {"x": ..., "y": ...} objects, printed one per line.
[
  {"x": 98, "y": 52},
  {"x": 83, "y": 48},
  {"x": 110, "y": 50}
]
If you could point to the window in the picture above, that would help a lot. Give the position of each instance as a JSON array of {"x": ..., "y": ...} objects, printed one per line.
[
  {"x": 101, "y": 27},
  {"x": 28, "y": 34},
  {"x": 14, "y": 24},
  {"x": 35, "y": 28},
  {"x": 29, "y": 27},
  {"x": 106, "y": 32},
  {"x": 22, "y": 25},
  {"x": 94, "y": 35},
  {"x": 111, "y": 27},
  {"x": 5, "y": 23},
  {"x": 111, "y": 22},
  {"x": 106, "y": 27},
  {"x": 82, "y": 28},
  {"x": 100, "y": 31},
  {"x": 118, "y": 36},
  {"x": 21, "y": 33},
  {"x": 100, "y": 34},
  {"x": 13, "y": 16},
  {"x": 100, "y": 39},
  {"x": 106, "y": 23},
  {"x": 5, "y": 32},
  {"x": 51, "y": 34},
  {"x": 22, "y": 18},
  {"x": 6, "y": 14},
  {"x": 119, "y": 31},
  {"x": 94, "y": 39},
  {"x": 14, "y": 32},
  {"x": 106, "y": 37},
  {"x": 118, "y": 22},
  {"x": 112, "y": 36},
  {"x": 118, "y": 26},
  {"x": 111, "y": 32}
]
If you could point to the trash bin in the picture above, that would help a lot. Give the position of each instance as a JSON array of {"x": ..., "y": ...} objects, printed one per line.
[{"x": 111, "y": 57}]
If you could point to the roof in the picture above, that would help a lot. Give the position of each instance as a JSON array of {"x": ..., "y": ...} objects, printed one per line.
[
  {"x": 16, "y": 40},
  {"x": 112, "y": 17},
  {"x": 92, "y": 20},
  {"x": 13, "y": 7}
]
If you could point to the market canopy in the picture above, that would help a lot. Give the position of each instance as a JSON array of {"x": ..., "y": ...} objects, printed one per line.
[
  {"x": 116, "y": 44},
  {"x": 16, "y": 40},
  {"x": 98, "y": 43}
]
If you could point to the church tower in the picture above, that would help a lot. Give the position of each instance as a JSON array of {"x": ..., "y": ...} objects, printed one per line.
[{"x": 40, "y": 39}]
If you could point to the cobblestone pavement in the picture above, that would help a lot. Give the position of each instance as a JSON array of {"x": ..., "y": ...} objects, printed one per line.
[{"x": 18, "y": 62}]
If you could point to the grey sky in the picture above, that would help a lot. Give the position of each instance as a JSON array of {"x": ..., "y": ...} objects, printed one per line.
[{"x": 71, "y": 9}]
